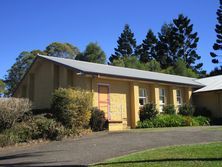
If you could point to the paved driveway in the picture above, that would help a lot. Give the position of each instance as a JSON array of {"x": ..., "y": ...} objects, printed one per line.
[{"x": 100, "y": 146}]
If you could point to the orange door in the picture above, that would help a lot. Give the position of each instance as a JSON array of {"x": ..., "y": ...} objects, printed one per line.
[{"x": 103, "y": 99}]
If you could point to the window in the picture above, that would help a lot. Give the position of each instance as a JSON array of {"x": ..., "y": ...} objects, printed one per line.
[
  {"x": 143, "y": 99},
  {"x": 162, "y": 98},
  {"x": 179, "y": 97}
]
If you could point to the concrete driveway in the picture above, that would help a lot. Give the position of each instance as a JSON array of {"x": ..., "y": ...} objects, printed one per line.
[{"x": 103, "y": 145}]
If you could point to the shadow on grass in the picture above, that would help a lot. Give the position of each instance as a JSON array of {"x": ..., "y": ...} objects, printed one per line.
[{"x": 161, "y": 160}]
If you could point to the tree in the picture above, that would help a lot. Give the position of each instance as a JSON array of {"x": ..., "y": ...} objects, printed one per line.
[
  {"x": 146, "y": 51},
  {"x": 92, "y": 53},
  {"x": 167, "y": 46},
  {"x": 180, "y": 69},
  {"x": 187, "y": 40},
  {"x": 153, "y": 65},
  {"x": 64, "y": 50},
  {"x": 216, "y": 71},
  {"x": 2, "y": 87},
  {"x": 38, "y": 52},
  {"x": 130, "y": 62},
  {"x": 177, "y": 40},
  {"x": 18, "y": 69},
  {"x": 218, "y": 44},
  {"x": 126, "y": 45}
]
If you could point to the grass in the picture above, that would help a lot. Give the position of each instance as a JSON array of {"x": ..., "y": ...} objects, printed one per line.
[{"x": 199, "y": 155}]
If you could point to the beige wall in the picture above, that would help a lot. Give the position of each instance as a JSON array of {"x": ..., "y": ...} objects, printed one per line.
[
  {"x": 209, "y": 100},
  {"x": 119, "y": 99}
]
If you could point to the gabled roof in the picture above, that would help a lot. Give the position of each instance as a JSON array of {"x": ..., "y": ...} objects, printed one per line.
[
  {"x": 122, "y": 72},
  {"x": 212, "y": 84}
]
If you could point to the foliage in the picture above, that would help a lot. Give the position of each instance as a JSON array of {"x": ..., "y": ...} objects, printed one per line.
[
  {"x": 126, "y": 45},
  {"x": 178, "y": 41},
  {"x": 148, "y": 111},
  {"x": 93, "y": 53},
  {"x": 45, "y": 128},
  {"x": 4, "y": 140},
  {"x": 169, "y": 109},
  {"x": 2, "y": 87},
  {"x": 129, "y": 62},
  {"x": 218, "y": 29},
  {"x": 18, "y": 69},
  {"x": 186, "y": 110},
  {"x": 216, "y": 71},
  {"x": 153, "y": 65},
  {"x": 146, "y": 51},
  {"x": 21, "y": 132},
  {"x": 202, "y": 112},
  {"x": 34, "y": 128},
  {"x": 12, "y": 110},
  {"x": 188, "y": 41},
  {"x": 97, "y": 120},
  {"x": 202, "y": 121},
  {"x": 72, "y": 107},
  {"x": 180, "y": 69},
  {"x": 64, "y": 50},
  {"x": 169, "y": 120},
  {"x": 167, "y": 46}
]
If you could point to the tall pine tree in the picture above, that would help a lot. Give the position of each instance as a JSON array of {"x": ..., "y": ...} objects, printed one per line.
[
  {"x": 187, "y": 40},
  {"x": 126, "y": 45},
  {"x": 218, "y": 44},
  {"x": 167, "y": 46},
  {"x": 146, "y": 51},
  {"x": 178, "y": 41}
]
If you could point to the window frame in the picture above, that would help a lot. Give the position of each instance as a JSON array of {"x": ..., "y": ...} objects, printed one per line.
[
  {"x": 162, "y": 104},
  {"x": 144, "y": 97},
  {"x": 180, "y": 97}
]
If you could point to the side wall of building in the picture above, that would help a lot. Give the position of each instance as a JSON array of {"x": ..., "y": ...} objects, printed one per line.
[{"x": 211, "y": 101}]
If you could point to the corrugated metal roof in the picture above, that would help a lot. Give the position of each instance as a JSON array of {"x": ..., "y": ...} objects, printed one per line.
[
  {"x": 212, "y": 84},
  {"x": 93, "y": 68}
]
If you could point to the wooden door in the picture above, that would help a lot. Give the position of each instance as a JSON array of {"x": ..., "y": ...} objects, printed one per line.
[{"x": 104, "y": 99}]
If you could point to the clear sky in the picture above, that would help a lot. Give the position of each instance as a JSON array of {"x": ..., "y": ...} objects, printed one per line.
[{"x": 33, "y": 24}]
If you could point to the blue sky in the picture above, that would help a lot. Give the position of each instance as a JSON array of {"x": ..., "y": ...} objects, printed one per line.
[{"x": 33, "y": 24}]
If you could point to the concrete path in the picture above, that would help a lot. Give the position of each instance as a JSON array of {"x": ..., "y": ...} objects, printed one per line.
[{"x": 103, "y": 145}]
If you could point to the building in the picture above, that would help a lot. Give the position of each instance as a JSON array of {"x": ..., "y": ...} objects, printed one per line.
[
  {"x": 118, "y": 91},
  {"x": 210, "y": 96}
]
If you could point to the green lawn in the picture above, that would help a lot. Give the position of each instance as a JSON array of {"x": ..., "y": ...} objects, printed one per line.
[{"x": 199, "y": 155}]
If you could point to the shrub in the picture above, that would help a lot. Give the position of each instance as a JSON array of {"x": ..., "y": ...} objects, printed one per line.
[
  {"x": 72, "y": 107},
  {"x": 97, "y": 120},
  {"x": 202, "y": 121},
  {"x": 45, "y": 128},
  {"x": 148, "y": 111},
  {"x": 186, "y": 110},
  {"x": 168, "y": 121},
  {"x": 202, "y": 112},
  {"x": 169, "y": 109},
  {"x": 21, "y": 132},
  {"x": 145, "y": 124},
  {"x": 13, "y": 110},
  {"x": 173, "y": 121},
  {"x": 4, "y": 140}
]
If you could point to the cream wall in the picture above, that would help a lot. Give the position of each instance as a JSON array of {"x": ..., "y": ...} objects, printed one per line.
[
  {"x": 43, "y": 84},
  {"x": 211, "y": 101},
  {"x": 119, "y": 99}
]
